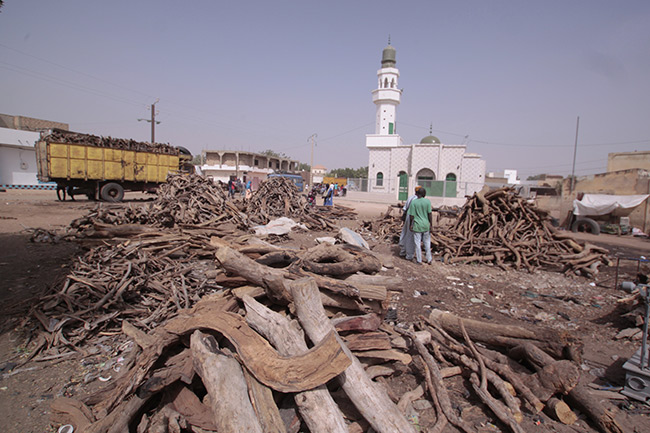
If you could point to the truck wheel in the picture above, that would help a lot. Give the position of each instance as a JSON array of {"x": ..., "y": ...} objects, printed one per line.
[
  {"x": 112, "y": 192},
  {"x": 585, "y": 225}
]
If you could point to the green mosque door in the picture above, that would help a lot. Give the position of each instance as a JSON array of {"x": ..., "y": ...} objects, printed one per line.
[{"x": 403, "y": 186}]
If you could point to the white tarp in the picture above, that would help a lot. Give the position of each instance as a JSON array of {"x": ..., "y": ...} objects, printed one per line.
[
  {"x": 280, "y": 226},
  {"x": 602, "y": 204}
]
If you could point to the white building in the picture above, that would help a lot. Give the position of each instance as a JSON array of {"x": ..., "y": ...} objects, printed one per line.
[
  {"x": 318, "y": 173},
  {"x": 18, "y": 158},
  {"x": 444, "y": 170}
]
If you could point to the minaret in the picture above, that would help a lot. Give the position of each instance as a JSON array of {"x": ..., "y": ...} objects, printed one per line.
[{"x": 387, "y": 96}]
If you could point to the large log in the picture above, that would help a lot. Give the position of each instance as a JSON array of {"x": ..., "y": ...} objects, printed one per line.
[
  {"x": 551, "y": 341},
  {"x": 336, "y": 261},
  {"x": 222, "y": 376},
  {"x": 298, "y": 373},
  {"x": 371, "y": 401},
  {"x": 604, "y": 419},
  {"x": 316, "y": 406}
]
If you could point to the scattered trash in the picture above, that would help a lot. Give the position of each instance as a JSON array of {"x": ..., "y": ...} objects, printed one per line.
[
  {"x": 326, "y": 240},
  {"x": 68, "y": 428},
  {"x": 350, "y": 237},
  {"x": 391, "y": 315},
  {"x": 280, "y": 226}
]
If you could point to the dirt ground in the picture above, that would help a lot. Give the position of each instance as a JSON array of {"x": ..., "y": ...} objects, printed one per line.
[{"x": 586, "y": 308}]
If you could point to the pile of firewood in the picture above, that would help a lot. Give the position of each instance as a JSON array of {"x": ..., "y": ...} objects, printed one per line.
[
  {"x": 387, "y": 228},
  {"x": 287, "y": 349},
  {"x": 145, "y": 280},
  {"x": 503, "y": 228},
  {"x": 234, "y": 334},
  {"x": 62, "y": 136},
  {"x": 279, "y": 197},
  {"x": 183, "y": 201},
  {"x": 275, "y": 197}
]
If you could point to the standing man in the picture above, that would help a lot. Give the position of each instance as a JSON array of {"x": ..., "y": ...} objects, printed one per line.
[
  {"x": 420, "y": 222},
  {"x": 328, "y": 199},
  {"x": 231, "y": 188},
  {"x": 406, "y": 237}
]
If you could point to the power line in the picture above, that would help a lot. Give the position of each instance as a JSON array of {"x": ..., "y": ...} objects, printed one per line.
[
  {"x": 65, "y": 83},
  {"x": 75, "y": 71},
  {"x": 497, "y": 143}
]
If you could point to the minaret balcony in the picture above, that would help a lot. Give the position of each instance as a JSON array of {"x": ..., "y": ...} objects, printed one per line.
[{"x": 386, "y": 95}]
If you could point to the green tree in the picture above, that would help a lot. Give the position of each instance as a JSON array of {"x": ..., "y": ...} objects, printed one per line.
[
  {"x": 361, "y": 172},
  {"x": 536, "y": 177},
  {"x": 273, "y": 153},
  {"x": 304, "y": 167}
]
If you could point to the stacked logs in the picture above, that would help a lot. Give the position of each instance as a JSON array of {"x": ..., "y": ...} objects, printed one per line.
[
  {"x": 145, "y": 280},
  {"x": 148, "y": 276},
  {"x": 279, "y": 197},
  {"x": 238, "y": 359},
  {"x": 185, "y": 200},
  {"x": 275, "y": 197},
  {"x": 62, "y": 136},
  {"x": 501, "y": 227},
  {"x": 387, "y": 228},
  {"x": 191, "y": 201}
]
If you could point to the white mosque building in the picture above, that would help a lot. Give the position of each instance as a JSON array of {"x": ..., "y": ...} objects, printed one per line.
[{"x": 445, "y": 170}]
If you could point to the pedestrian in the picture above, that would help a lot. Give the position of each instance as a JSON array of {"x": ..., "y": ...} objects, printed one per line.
[
  {"x": 406, "y": 237},
  {"x": 328, "y": 198},
  {"x": 420, "y": 222},
  {"x": 249, "y": 189},
  {"x": 231, "y": 188}
]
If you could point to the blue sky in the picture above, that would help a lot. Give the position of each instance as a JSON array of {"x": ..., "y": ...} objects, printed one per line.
[{"x": 508, "y": 78}]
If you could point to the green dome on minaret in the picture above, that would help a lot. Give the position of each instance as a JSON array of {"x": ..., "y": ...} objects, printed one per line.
[{"x": 388, "y": 56}]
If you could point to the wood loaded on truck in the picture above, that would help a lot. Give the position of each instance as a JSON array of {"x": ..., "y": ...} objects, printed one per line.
[{"x": 105, "y": 167}]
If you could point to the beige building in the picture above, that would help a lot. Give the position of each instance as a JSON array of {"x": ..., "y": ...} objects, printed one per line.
[
  {"x": 25, "y": 123},
  {"x": 222, "y": 165},
  {"x": 628, "y": 160}
]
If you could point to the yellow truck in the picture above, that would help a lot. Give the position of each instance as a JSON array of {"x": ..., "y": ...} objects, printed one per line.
[{"x": 105, "y": 167}]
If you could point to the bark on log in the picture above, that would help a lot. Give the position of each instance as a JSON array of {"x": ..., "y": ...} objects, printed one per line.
[
  {"x": 315, "y": 367},
  {"x": 439, "y": 391},
  {"x": 272, "y": 280},
  {"x": 367, "y": 322},
  {"x": 603, "y": 418},
  {"x": 66, "y": 410},
  {"x": 370, "y": 400},
  {"x": 374, "y": 280},
  {"x": 316, "y": 406},
  {"x": 222, "y": 376},
  {"x": 368, "y": 341},
  {"x": 549, "y": 340},
  {"x": 264, "y": 405}
]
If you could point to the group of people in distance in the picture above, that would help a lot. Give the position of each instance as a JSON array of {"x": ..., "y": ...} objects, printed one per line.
[
  {"x": 418, "y": 223},
  {"x": 237, "y": 186}
]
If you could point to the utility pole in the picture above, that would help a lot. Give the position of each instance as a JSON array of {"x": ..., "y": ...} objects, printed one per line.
[
  {"x": 575, "y": 150},
  {"x": 153, "y": 121},
  {"x": 312, "y": 138}
]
